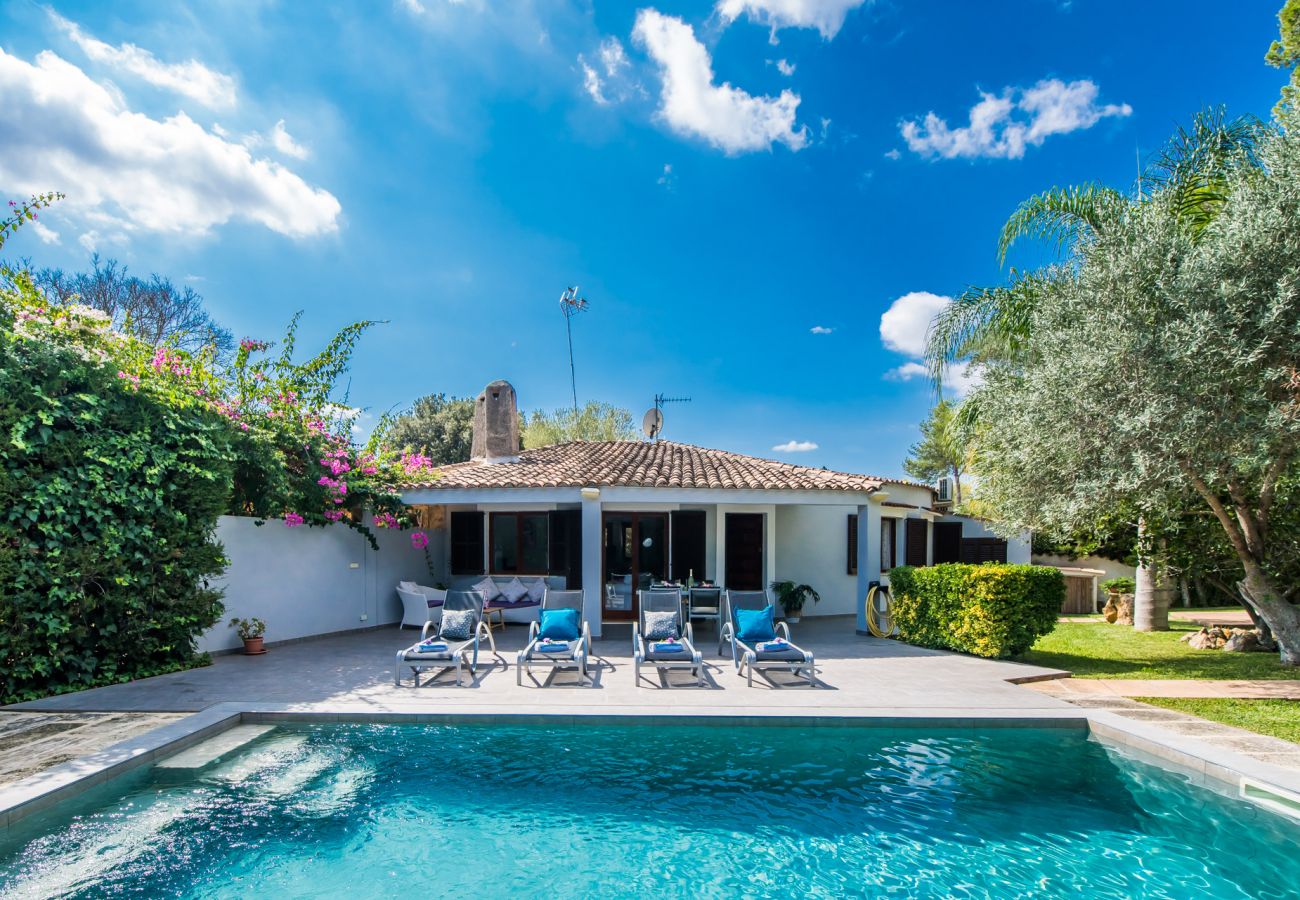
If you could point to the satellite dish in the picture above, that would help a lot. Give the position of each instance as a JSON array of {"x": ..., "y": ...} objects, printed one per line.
[{"x": 653, "y": 423}]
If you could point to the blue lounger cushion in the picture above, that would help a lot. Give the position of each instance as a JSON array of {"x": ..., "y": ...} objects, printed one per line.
[
  {"x": 754, "y": 625},
  {"x": 559, "y": 624}
]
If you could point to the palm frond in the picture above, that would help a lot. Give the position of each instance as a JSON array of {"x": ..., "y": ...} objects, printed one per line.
[
  {"x": 1063, "y": 216},
  {"x": 985, "y": 324}
]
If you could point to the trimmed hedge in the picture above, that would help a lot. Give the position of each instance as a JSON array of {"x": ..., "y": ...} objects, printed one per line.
[{"x": 992, "y": 610}]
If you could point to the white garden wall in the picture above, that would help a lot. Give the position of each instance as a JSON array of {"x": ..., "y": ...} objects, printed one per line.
[{"x": 309, "y": 581}]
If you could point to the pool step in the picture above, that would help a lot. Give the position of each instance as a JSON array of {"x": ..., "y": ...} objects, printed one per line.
[{"x": 211, "y": 750}]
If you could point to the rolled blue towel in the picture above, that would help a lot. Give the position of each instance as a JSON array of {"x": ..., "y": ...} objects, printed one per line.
[
  {"x": 773, "y": 646},
  {"x": 663, "y": 647},
  {"x": 431, "y": 648},
  {"x": 552, "y": 648}
]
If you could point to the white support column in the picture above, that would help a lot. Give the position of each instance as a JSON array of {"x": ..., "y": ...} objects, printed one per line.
[
  {"x": 593, "y": 586},
  {"x": 868, "y": 558},
  {"x": 769, "y": 548}
]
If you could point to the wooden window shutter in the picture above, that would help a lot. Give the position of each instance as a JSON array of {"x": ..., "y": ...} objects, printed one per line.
[
  {"x": 914, "y": 542},
  {"x": 851, "y": 567},
  {"x": 467, "y": 542}
]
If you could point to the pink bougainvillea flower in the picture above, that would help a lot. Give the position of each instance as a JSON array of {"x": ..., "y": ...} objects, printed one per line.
[
  {"x": 292, "y": 520},
  {"x": 419, "y": 540}
]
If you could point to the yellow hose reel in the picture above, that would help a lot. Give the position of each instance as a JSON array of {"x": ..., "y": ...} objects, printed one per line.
[{"x": 879, "y": 621}]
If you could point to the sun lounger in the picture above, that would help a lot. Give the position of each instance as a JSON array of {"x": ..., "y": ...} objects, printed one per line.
[
  {"x": 651, "y": 650},
  {"x": 439, "y": 648},
  {"x": 774, "y": 653},
  {"x": 562, "y": 651}
]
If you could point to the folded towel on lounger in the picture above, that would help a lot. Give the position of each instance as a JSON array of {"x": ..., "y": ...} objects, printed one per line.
[
  {"x": 774, "y": 646},
  {"x": 553, "y": 647},
  {"x": 668, "y": 647},
  {"x": 431, "y": 648}
]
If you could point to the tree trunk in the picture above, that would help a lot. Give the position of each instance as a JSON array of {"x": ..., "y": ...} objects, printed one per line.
[
  {"x": 1151, "y": 601},
  {"x": 1282, "y": 617},
  {"x": 956, "y": 486}
]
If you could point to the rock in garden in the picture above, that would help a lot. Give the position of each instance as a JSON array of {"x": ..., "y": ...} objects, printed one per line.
[{"x": 1241, "y": 642}]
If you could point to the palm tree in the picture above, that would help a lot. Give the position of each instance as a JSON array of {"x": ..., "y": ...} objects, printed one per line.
[{"x": 990, "y": 325}]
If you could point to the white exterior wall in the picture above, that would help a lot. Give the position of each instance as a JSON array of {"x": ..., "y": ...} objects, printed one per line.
[
  {"x": 813, "y": 542},
  {"x": 1112, "y": 568},
  {"x": 308, "y": 581}
]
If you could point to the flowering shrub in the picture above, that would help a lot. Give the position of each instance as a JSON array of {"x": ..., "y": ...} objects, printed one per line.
[{"x": 116, "y": 459}]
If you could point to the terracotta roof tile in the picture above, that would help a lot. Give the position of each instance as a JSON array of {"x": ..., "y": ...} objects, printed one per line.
[{"x": 663, "y": 464}]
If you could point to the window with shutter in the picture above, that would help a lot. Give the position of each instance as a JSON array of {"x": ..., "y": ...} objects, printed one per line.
[
  {"x": 914, "y": 552},
  {"x": 852, "y": 564},
  {"x": 467, "y": 543}
]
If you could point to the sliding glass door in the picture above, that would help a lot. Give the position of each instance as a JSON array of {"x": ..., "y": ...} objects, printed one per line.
[{"x": 636, "y": 553}]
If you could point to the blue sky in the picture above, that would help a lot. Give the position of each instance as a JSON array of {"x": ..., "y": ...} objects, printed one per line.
[{"x": 720, "y": 178}]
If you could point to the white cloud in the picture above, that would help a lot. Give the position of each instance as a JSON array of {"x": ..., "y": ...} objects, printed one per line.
[
  {"x": 893, "y": 154},
  {"x": 691, "y": 104},
  {"x": 63, "y": 131},
  {"x": 190, "y": 79},
  {"x": 667, "y": 179},
  {"x": 614, "y": 83},
  {"x": 827, "y": 16},
  {"x": 794, "y": 447},
  {"x": 820, "y": 329},
  {"x": 1002, "y": 125},
  {"x": 904, "y": 326},
  {"x": 591, "y": 82},
  {"x": 45, "y": 233},
  {"x": 282, "y": 141},
  {"x": 785, "y": 67}
]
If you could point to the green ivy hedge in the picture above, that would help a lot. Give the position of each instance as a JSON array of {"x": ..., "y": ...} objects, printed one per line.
[
  {"x": 993, "y": 610},
  {"x": 109, "y": 500}
]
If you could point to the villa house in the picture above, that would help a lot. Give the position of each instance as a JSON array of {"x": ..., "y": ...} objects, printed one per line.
[{"x": 610, "y": 516}]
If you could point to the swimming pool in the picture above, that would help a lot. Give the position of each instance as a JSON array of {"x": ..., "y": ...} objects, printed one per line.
[{"x": 671, "y": 811}]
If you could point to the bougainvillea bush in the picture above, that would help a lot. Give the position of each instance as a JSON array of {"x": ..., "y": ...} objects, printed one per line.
[{"x": 116, "y": 459}]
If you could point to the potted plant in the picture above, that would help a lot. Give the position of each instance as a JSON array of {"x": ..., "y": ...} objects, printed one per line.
[
  {"x": 793, "y": 597},
  {"x": 250, "y": 631}
]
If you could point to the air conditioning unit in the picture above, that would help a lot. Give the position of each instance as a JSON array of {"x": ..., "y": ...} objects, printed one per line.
[{"x": 943, "y": 491}]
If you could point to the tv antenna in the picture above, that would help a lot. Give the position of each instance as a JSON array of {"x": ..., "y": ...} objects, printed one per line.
[
  {"x": 571, "y": 304},
  {"x": 652, "y": 424}
]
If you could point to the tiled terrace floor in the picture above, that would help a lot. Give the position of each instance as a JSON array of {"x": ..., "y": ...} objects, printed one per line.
[{"x": 351, "y": 672}]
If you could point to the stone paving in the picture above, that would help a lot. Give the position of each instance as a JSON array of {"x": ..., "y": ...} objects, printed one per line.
[
  {"x": 1069, "y": 688},
  {"x": 31, "y": 742},
  {"x": 1274, "y": 751},
  {"x": 857, "y": 675}
]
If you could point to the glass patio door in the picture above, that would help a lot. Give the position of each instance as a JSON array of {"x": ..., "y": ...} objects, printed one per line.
[{"x": 636, "y": 553}]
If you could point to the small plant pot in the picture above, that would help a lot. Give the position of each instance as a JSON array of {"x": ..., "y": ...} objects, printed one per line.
[
  {"x": 253, "y": 646},
  {"x": 793, "y": 620}
]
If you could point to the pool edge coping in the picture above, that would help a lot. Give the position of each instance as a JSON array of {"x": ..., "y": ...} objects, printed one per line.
[{"x": 1208, "y": 766}]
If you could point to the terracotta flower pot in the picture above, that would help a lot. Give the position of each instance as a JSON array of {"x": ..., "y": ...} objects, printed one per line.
[{"x": 253, "y": 646}]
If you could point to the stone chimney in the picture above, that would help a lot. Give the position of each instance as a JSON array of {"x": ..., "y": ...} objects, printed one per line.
[{"x": 496, "y": 424}]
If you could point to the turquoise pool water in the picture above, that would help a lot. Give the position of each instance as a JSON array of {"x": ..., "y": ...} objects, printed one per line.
[{"x": 527, "y": 811}]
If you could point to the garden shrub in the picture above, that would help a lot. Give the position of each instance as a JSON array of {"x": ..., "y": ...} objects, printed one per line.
[
  {"x": 108, "y": 505},
  {"x": 993, "y": 610}
]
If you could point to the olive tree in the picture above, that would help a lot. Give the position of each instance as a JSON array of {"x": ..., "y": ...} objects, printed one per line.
[{"x": 1165, "y": 368}]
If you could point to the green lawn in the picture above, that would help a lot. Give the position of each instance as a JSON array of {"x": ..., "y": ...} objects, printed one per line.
[
  {"x": 1090, "y": 648},
  {"x": 1276, "y": 718}
]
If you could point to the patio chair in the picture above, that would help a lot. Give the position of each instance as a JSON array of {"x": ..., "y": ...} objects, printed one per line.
[
  {"x": 748, "y": 657},
  {"x": 646, "y": 650},
  {"x": 419, "y": 604},
  {"x": 705, "y": 603},
  {"x": 557, "y": 654},
  {"x": 446, "y": 651}
]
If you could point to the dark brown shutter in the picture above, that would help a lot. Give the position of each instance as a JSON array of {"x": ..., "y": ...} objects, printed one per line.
[
  {"x": 688, "y": 544},
  {"x": 914, "y": 539},
  {"x": 947, "y": 542},
  {"x": 983, "y": 550},
  {"x": 852, "y": 561},
  {"x": 566, "y": 547},
  {"x": 467, "y": 543}
]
